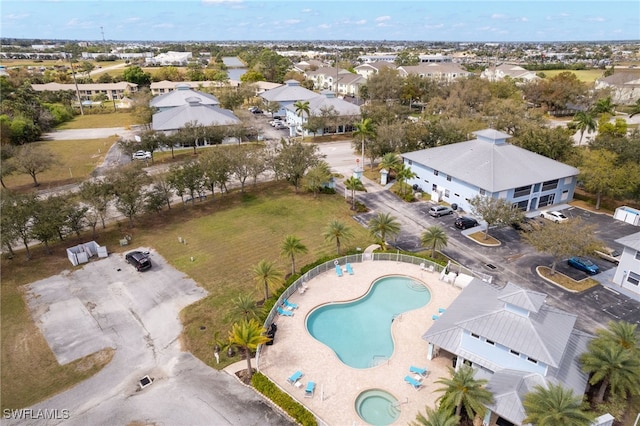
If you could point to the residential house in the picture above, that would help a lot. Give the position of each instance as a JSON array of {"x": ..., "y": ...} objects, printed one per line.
[
  {"x": 180, "y": 96},
  {"x": 340, "y": 114},
  {"x": 367, "y": 59},
  {"x": 442, "y": 71},
  {"x": 513, "y": 339},
  {"x": 325, "y": 77},
  {"x": 368, "y": 69},
  {"x": 349, "y": 84},
  {"x": 434, "y": 58},
  {"x": 193, "y": 111},
  {"x": 308, "y": 65},
  {"x": 502, "y": 71},
  {"x": 624, "y": 86},
  {"x": 490, "y": 166},
  {"x": 627, "y": 273},
  {"x": 113, "y": 91},
  {"x": 166, "y": 86},
  {"x": 287, "y": 95}
]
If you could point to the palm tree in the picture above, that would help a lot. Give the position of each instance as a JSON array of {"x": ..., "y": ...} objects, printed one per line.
[
  {"x": 364, "y": 130},
  {"x": 436, "y": 418},
  {"x": 291, "y": 245},
  {"x": 353, "y": 184},
  {"x": 265, "y": 273},
  {"x": 391, "y": 161},
  {"x": 604, "y": 106},
  {"x": 621, "y": 333},
  {"x": 613, "y": 367},
  {"x": 248, "y": 335},
  {"x": 434, "y": 237},
  {"x": 302, "y": 108},
  {"x": 337, "y": 231},
  {"x": 584, "y": 121},
  {"x": 243, "y": 307},
  {"x": 383, "y": 225},
  {"x": 555, "y": 406},
  {"x": 463, "y": 391},
  {"x": 403, "y": 174}
]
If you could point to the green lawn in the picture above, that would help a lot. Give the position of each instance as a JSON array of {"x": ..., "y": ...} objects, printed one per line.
[
  {"x": 76, "y": 160},
  {"x": 225, "y": 236},
  {"x": 587, "y": 76},
  {"x": 97, "y": 121}
]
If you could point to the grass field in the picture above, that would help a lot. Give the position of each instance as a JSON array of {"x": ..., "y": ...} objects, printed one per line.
[
  {"x": 226, "y": 236},
  {"x": 77, "y": 159},
  {"x": 96, "y": 121},
  {"x": 587, "y": 76}
]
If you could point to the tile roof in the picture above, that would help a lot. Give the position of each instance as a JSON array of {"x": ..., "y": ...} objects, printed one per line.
[{"x": 491, "y": 166}]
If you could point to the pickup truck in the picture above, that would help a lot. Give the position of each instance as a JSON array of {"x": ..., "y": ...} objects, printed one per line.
[{"x": 609, "y": 254}]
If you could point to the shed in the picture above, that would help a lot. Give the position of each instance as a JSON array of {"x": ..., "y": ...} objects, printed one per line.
[
  {"x": 82, "y": 252},
  {"x": 628, "y": 215}
]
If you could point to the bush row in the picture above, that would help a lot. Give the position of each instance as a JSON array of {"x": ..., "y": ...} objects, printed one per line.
[{"x": 296, "y": 410}]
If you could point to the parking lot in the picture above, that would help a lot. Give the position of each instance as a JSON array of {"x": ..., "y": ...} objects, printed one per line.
[{"x": 107, "y": 303}]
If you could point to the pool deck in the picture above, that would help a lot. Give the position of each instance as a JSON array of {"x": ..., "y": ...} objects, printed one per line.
[{"x": 338, "y": 385}]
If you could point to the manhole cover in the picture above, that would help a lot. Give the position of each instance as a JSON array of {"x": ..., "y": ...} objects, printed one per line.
[{"x": 490, "y": 266}]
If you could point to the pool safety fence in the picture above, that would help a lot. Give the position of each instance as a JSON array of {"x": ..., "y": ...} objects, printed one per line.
[{"x": 301, "y": 284}]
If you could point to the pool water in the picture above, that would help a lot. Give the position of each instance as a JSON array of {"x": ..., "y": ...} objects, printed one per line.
[
  {"x": 359, "y": 332},
  {"x": 377, "y": 407}
]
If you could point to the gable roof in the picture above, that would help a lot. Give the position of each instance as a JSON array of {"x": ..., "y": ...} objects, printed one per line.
[
  {"x": 632, "y": 241},
  {"x": 491, "y": 164},
  {"x": 291, "y": 91},
  {"x": 179, "y": 97},
  {"x": 193, "y": 112}
]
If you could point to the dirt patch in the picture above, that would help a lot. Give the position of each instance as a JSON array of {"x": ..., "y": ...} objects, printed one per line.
[
  {"x": 243, "y": 375},
  {"x": 98, "y": 359}
]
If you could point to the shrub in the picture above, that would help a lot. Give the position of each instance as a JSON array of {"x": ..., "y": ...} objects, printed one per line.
[{"x": 296, "y": 410}]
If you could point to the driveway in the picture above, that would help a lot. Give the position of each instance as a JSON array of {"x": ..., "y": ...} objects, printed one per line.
[{"x": 107, "y": 303}]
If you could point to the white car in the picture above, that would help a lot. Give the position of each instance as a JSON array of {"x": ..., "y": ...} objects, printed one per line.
[
  {"x": 275, "y": 123},
  {"x": 554, "y": 216},
  {"x": 141, "y": 155}
]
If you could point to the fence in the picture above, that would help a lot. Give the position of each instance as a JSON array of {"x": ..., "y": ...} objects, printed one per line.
[{"x": 300, "y": 283}]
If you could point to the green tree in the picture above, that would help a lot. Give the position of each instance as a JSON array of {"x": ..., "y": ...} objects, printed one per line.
[
  {"x": 464, "y": 393},
  {"x": 604, "y": 106},
  {"x": 555, "y": 405},
  {"x": 248, "y": 335},
  {"x": 128, "y": 185},
  {"x": 562, "y": 240},
  {"x": 601, "y": 175},
  {"x": 620, "y": 333},
  {"x": 364, "y": 130},
  {"x": 337, "y": 232},
  {"x": 244, "y": 308},
  {"x": 317, "y": 177},
  {"x": 136, "y": 75},
  {"x": 97, "y": 194},
  {"x": 391, "y": 161},
  {"x": 434, "y": 237},
  {"x": 17, "y": 218},
  {"x": 435, "y": 418},
  {"x": 266, "y": 275},
  {"x": 33, "y": 160},
  {"x": 292, "y": 160},
  {"x": 494, "y": 211},
  {"x": 290, "y": 247},
  {"x": 383, "y": 225},
  {"x": 187, "y": 179},
  {"x": 403, "y": 174},
  {"x": 584, "y": 121},
  {"x": 353, "y": 184},
  {"x": 272, "y": 107},
  {"x": 302, "y": 109}
]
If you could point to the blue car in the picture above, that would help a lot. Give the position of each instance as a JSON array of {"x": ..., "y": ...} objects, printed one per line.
[{"x": 584, "y": 264}]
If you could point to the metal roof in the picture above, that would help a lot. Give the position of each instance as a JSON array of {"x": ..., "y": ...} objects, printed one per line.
[
  {"x": 632, "y": 241},
  {"x": 340, "y": 106},
  {"x": 205, "y": 115},
  {"x": 179, "y": 97},
  {"x": 490, "y": 164},
  {"x": 291, "y": 92}
]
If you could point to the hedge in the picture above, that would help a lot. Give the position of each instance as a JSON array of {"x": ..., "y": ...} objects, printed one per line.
[{"x": 296, "y": 410}]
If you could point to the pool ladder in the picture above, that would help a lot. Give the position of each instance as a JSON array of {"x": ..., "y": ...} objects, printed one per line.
[{"x": 378, "y": 360}]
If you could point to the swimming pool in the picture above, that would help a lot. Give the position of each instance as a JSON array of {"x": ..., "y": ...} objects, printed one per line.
[
  {"x": 359, "y": 332},
  {"x": 377, "y": 407}
]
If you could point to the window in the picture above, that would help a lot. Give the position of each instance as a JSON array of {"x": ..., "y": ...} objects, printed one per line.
[
  {"x": 512, "y": 352},
  {"x": 546, "y": 200},
  {"x": 434, "y": 187},
  {"x": 410, "y": 162},
  {"x": 490, "y": 342},
  {"x": 550, "y": 184},
  {"x": 521, "y": 205},
  {"x": 482, "y": 191},
  {"x": 522, "y": 191},
  {"x": 449, "y": 178},
  {"x": 532, "y": 360},
  {"x": 633, "y": 278},
  {"x": 474, "y": 335},
  {"x": 638, "y": 255},
  {"x": 446, "y": 193},
  {"x": 435, "y": 172}
]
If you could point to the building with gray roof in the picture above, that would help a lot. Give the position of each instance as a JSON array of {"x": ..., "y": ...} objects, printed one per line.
[
  {"x": 179, "y": 96},
  {"x": 340, "y": 114},
  {"x": 288, "y": 94},
  {"x": 489, "y": 166},
  {"x": 627, "y": 273},
  {"x": 193, "y": 112},
  {"x": 514, "y": 340}
]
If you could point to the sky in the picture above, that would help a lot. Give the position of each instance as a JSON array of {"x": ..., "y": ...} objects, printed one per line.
[{"x": 244, "y": 20}]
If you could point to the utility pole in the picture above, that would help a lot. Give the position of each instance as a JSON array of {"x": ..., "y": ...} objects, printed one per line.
[{"x": 73, "y": 73}]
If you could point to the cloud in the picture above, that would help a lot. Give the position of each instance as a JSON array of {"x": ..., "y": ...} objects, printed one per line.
[
  {"x": 324, "y": 26},
  {"x": 383, "y": 18},
  {"x": 498, "y": 16},
  {"x": 292, "y": 21},
  {"x": 163, "y": 25},
  {"x": 307, "y": 10},
  {"x": 361, "y": 22},
  {"x": 16, "y": 17},
  {"x": 597, "y": 19}
]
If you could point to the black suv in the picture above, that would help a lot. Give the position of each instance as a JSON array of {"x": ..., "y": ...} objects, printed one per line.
[
  {"x": 464, "y": 222},
  {"x": 139, "y": 260}
]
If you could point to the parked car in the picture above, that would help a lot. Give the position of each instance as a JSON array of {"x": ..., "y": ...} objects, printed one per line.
[
  {"x": 141, "y": 155},
  {"x": 139, "y": 260},
  {"x": 584, "y": 264},
  {"x": 464, "y": 222},
  {"x": 255, "y": 110},
  {"x": 437, "y": 211},
  {"x": 276, "y": 122},
  {"x": 609, "y": 254},
  {"x": 554, "y": 216},
  {"x": 523, "y": 225},
  {"x": 280, "y": 126}
]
